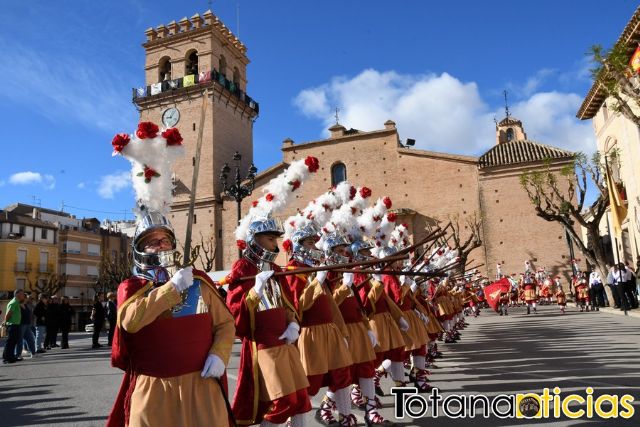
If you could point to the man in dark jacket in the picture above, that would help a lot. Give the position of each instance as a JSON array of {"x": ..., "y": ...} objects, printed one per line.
[
  {"x": 66, "y": 318},
  {"x": 98, "y": 314},
  {"x": 40, "y": 313},
  {"x": 53, "y": 323},
  {"x": 112, "y": 315}
]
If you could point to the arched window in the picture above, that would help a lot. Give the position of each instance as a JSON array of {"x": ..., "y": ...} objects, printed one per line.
[
  {"x": 338, "y": 173},
  {"x": 510, "y": 134},
  {"x": 191, "y": 63},
  {"x": 222, "y": 66},
  {"x": 236, "y": 77},
  {"x": 164, "y": 69}
]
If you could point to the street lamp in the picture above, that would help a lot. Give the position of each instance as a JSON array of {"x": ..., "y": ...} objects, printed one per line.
[{"x": 236, "y": 189}]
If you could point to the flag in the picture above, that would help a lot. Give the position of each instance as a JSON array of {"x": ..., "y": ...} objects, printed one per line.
[
  {"x": 141, "y": 92},
  {"x": 156, "y": 88},
  {"x": 189, "y": 80},
  {"x": 494, "y": 291},
  {"x": 616, "y": 203},
  {"x": 204, "y": 76},
  {"x": 634, "y": 63}
]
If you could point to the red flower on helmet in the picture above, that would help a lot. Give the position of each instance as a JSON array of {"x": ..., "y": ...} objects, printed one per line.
[
  {"x": 120, "y": 141},
  {"x": 269, "y": 197},
  {"x": 147, "y": 130},
  {"x": 241, "y": 244},
  {"x": 295, "y": 184},
  {"x": 312, "y": 164},
  {"x": 404, "y": 224},
  {"x": 392, "y": 217},
  {"x": 387, "y": 202},
  {"x": 173, "y": 137},
  {"x": 254, "y": 203},
  {"x": 352, "y": 192},
  {"x": 287, "y": 245},
  {"x": 365, "y": 192},
  {"x": 292, "y": 223},
  {"x": 148, "y": 174}
]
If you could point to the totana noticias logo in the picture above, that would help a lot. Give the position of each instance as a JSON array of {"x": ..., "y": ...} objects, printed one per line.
[{"x": 408, "y": 403}]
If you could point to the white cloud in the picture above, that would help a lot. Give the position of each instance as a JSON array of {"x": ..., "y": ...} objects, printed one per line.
[
  {"x": 111, "y": 184},
  {"x": 81, "y": 185},
  {"x": 549, "y": 118},
  {"x": 443, "y": 113},
  {"x": 66, "y": 88},
  {"x": 29, "y": 178}
]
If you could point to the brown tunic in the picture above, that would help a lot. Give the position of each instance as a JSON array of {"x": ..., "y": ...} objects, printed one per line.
[{"x": 157, "y": 401}]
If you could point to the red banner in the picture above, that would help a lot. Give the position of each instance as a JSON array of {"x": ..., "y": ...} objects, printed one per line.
[{"x": 495, "y": 291}]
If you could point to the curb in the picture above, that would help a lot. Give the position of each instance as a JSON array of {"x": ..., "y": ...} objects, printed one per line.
[{"x": 609, "y": 310}]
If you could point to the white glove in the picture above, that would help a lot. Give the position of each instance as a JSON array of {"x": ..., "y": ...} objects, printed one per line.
[
  {"x": 182, "y": 279},
  {"x": 321, "y": 276},
  {"x": 291, "y": 334},
  {"x": 213, "y": 367},
  {"x": 347, "y": 279},
  {"x": 376, "y": 277},
  {"x": 413, "y": 286},
  {"x": 402, "y": 279},
  {"x": 261, "y": 280},
  {"x": 404, "y": 326},
  {"x": 373, "y": 338}
]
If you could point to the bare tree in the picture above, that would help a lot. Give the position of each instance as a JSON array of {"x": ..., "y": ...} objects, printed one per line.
[
  {"x": 207, "y": 254},
  {"x": 617, "y": 79},
  {"x": 560, "y": 196},
  {"x": 468, "y": 239},
  {"x": 50, "y": 286},
  {"x": 113, "y": 271}
]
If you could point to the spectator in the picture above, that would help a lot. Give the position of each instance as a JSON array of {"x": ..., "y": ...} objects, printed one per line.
[
  {"x": 26, "y": 338},
  {"x": 66, "y": 318},
  {"x": 613, "y": 285},
  {"x": 40, "y": 314},
  {"x": 53, "y": 323},
  {"x": 112, "y": 315},
  {"x": 630, "y": 287},
  {"x": 12, "y": 320},
  {"x": 97, "y": 316},
  {"x": 596, "y": 290}
]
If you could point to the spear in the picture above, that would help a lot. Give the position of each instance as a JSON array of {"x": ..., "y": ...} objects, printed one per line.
[
  {"x": 348, "y": 265},
  {"x": 194, "y": 181}
]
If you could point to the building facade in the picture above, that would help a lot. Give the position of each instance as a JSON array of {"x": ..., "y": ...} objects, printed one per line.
[
  {"x": 618, "y": 138},
  {"x": 28, "y": 252},
  {"x": 425, "y": 186}
]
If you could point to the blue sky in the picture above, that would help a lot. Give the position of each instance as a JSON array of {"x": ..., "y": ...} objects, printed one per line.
[{"x": 437, "y": 68}]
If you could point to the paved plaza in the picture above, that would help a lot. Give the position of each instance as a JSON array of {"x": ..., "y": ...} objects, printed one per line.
[{"x": 496, "y": 355}]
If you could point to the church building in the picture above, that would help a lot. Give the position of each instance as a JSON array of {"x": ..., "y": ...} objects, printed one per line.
[{"x": 196, "y": 69}]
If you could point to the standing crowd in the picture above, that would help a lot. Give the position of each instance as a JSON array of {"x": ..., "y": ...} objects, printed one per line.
[{"x": 32, "y": 325}]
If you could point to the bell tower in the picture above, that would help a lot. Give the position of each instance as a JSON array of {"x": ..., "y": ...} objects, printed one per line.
[
  {"x": 187, "y": 64},
  {"x": 509, "y": 129}
]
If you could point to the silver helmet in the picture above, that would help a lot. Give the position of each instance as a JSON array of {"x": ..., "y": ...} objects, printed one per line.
[
  {"x": 150, "y": 264},
  {"x": 358, "y": 246},
  {"x": 332, "y": 240},
  {"x": 305, "y": 255},
  {"x": 388, "y": 251},
  {"x": 262, "y": 225}
]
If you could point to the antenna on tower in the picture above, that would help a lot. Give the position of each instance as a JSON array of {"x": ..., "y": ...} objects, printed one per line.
[
  {"x": 337, "y": 116},
  {"x": 506, "y": 105},
  {"x": 238, "y": 17}
]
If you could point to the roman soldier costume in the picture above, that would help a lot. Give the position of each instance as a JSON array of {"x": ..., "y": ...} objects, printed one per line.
[{"x": 174, "y": 333}]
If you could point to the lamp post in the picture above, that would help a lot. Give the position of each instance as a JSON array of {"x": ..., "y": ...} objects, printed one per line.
[{"x": 236, "y": 189}]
